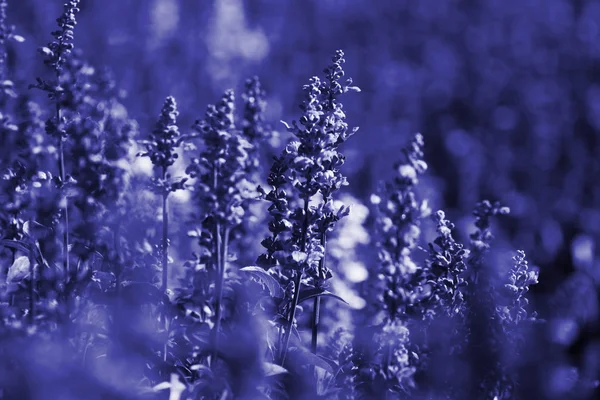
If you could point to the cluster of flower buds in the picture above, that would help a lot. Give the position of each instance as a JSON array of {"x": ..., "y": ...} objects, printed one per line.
[
  {"x": 164, "y": 138},
  {"x": 446, "y": 264},
  {"x": 482, "y": 237},
  {"x": 309, "y": 165},
  {"x": 7, "y": 32},
  {"x": 254, "y": 129},
  {"x": 520, "y": 278},
  {"x": 221, "y": 188},
  {"x": 57, "y": 51},
  {"x": 399, "y": 216}
]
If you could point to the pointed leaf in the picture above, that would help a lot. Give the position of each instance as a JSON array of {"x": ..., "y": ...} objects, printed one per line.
[
  {"x": 18, "y": 270},
  {"x": 305, "y": 357},
  {"x": 271, "y": 369},
  {"x": 334, "y": 365},
  {"x": 266, "y": 279},
  {"x": 35, "y": 230},
  {"x": 306, "y": 294},
  {"x": 14, "y": 244}
]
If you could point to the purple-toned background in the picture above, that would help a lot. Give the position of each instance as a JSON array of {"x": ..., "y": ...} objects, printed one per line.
[{"x": 505, "y": 92}]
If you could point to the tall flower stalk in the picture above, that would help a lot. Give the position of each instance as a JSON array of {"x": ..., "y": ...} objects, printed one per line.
[
  {"x": 55, "y": 56},
  {"x": 161, "y": 148},
  {"x": 221, "y": 190},
  {"x": 399, "y": 281},
  {"x": 309, "y": 166},
  {"x": 481, "y": 300},
  {"x": 7, "y": 32}
]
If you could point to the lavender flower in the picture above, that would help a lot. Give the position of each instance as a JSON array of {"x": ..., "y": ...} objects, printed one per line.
[
  {"x": 57, "y": 51},
  {"x": 161, "y": 149},
  {"x": 398, "y": 286},
  {"x": 510, "y": 322},
  {"x": 254, "y": 129},
  {"x": 398, "y": 223},
  {"x": 164, "y": 138},
  {"x": 445, "y": 268},
  {"x": 309, "y": 165},
  {"x": 7, "y": 32},
  {"x": 221, "y": 190},
  {"x": 482, "y": 237},
  {"x": 512, "y": 309},
  {"x": 484, "y": 336},
  {"x": 262, "y": 140}
]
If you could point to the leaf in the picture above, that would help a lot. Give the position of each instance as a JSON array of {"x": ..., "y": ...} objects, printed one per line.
[
  {"x": 266, "y": 279},
  {"x": 35, "y": 230},
  {"x": 306, "y": 294},
  {"x": 305, "y": 357},
  {"x": 18, "y": 270},
  {"x": 25, "y": 247},
  {"x": 271, "y": 369},
  {"x": 13, "y": 244}
]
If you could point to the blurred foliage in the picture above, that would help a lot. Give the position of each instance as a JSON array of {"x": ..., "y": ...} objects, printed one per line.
[{"x": 506, "y": 92}]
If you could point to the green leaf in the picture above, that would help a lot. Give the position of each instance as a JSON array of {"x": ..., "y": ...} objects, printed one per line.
[
  {"x": 14, "y": 244},
  {"x": 267, "y": 280},
  {"x": 18, "y": 270},
  {"x": 36, "y": 230},
  {"x": 271, "y": 369},
  {"x": 305, "y": 357},
  {"x": 311, "y": 293},
  {"x": 334, "y": 366}
]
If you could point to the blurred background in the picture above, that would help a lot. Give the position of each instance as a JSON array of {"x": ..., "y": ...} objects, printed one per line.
[{"x": 506, "y": 93}]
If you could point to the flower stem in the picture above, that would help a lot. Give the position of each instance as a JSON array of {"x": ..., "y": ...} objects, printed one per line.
[
  {"x": 223, "y": 242},
  {"x": 63, "y": 177},
  {"x": 165, "y": 256},
  {"x": 290, "y": 323},
  {"x": 32, "y": 287},
  {"x": 316, "y": 317},
  {"x": 117, "y": 261},
  {"x": 297, "y": 282},
  {"x": 165, "y": 237}
]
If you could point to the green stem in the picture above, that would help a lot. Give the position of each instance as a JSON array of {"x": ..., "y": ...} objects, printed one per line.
[
  {"x": 223, "y": 242},
  {"x": 165, "y": 255},
  {"x": 32, "y": 287},
  {"x": 63, "y": 177},
  {"x": 69, "y": 275},
  {"x": 117, "y": 261},
  {"x": 316, "y": 317},
  {"x": 290, "y": 322},
  {"x": 165, "y": 244},
  {"x": 297, "y": 282}
]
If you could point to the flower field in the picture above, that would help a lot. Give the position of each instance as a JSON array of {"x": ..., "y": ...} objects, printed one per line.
[{"x": 189, "y": 210}]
